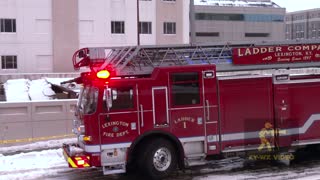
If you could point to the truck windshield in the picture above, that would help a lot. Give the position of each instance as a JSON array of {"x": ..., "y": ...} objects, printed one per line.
[{"x": 88, "y": 100}]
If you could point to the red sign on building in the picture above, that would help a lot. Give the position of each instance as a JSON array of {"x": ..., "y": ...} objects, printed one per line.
[{"x": 276, "y": 54}]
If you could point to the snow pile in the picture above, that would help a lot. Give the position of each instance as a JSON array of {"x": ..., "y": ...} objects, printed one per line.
[
  {"x": 17, "y": 90},
  {"x": 40, "y": 89},
  {"x": 21, "y": 90}
]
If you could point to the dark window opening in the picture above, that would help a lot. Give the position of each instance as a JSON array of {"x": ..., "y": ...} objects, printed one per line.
[
  {"x": 207, "y": 34},
  {"x": 9, "y": 62},
  {"x": 185, "y": 88},
  {"x": 145, "y": 27},
  {"x": 117, "y": 27},
  {"x": 257, "y": 34},
  {"x": 8, "y": 25},
  {"x": 169, "y": 28},
  {"x": 121, "y": 98}
]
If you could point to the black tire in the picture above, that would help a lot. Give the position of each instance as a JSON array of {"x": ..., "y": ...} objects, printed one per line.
[{"x": 158, "y": 159}]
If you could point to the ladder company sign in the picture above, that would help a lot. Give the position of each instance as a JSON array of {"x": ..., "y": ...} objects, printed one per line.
[{"x": 276, "y": 54}]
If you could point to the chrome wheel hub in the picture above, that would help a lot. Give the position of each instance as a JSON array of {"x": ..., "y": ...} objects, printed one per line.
[{"x": 162, "y": 159}]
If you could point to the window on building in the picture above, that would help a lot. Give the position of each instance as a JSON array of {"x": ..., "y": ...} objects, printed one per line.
[
  {"x": 117, "y": 27},
  {"x": 219, "y": 17},
  {"x": 207, "y": 34},
  {"x": 287, "y": 28},
  {"x": 8, "y": 25},
  {"x": 169, "y": 28},
  {"x": 257, "y": 34},
  {"x": 9, "y": 62},
  {"x": 240, "y": 17},
  {"x": 185, "y": 88},
  {"x": 145, "y": 27}
]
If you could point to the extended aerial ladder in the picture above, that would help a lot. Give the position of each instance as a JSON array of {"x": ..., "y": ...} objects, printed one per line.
[{"x": 141, "y": 60}]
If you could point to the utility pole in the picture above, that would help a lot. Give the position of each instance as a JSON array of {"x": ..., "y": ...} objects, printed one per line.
[
  {"x": 138, "y": 19},
  {"x": 191, "y": 21}
]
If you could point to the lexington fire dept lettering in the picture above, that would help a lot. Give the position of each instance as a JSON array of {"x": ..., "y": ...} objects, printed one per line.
[{"x": 115, "y": 129}]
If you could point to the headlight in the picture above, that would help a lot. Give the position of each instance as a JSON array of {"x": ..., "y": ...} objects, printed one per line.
[{"x": 81, "y": 129}]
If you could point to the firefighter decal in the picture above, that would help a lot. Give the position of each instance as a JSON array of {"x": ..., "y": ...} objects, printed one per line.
[{"x": 266, "y": 136}]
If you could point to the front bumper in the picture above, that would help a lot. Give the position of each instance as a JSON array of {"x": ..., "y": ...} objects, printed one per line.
[{"x": 75, "y": 156}]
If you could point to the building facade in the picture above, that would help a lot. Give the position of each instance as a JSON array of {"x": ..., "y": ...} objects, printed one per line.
[
  {"x": 303, "y": 24},
  {"x": 40, "y": 36},
  {"x": 237, "y": 20}
]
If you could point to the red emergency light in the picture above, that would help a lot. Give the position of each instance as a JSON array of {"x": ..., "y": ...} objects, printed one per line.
[{"x": 103, "y": 74}]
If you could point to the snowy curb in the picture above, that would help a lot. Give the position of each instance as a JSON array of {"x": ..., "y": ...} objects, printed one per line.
[{"x": 36, "y": 146}]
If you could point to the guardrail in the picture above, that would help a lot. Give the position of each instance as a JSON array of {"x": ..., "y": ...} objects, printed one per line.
[{"x": 35, "y": 120}]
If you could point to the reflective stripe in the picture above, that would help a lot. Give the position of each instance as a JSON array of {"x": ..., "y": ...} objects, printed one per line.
[
  {"x": 191, "y": 139},
  {"x": 255, "y": 134},
  {"x": 71, "y": 163}
]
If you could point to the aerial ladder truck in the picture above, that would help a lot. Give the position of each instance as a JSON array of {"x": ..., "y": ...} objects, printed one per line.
[{"x": 159, "y": 108}]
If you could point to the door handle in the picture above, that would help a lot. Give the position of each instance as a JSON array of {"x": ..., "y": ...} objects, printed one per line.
[
  {"x": 141, "y": 115},
  {"x": 284, "y": 108},
  {"x": 208, "y": 110}
]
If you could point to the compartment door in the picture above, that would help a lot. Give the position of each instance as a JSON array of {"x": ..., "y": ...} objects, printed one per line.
[
  {"x": 282, "y": 115},
  {"x": 211, "y": 118},
  {"x": 160, "y": 106}
]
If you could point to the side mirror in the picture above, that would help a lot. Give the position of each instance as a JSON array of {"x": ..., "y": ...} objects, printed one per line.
[{"x": 108, "y": 97}]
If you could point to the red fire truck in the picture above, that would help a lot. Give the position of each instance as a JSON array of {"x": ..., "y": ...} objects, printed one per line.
[{"x": 159, "y": 108}]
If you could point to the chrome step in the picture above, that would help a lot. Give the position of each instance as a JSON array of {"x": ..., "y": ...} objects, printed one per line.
[
  {"x": 196, "y": 159},
  {"x": 114, "y": 169},
  {"x": 197, "y": 163}
]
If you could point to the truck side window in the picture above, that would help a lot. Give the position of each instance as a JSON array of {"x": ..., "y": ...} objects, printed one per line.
[
  {"x": 185, "y": 88},
  {"x": 122, "y": 98}
]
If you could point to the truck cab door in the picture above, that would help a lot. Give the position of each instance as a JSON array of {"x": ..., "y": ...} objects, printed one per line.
[
  {"x": 119, "y": 121},
  {"x": 211, "y": 118}
]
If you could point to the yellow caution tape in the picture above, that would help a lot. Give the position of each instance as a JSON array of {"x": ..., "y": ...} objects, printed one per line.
[{"x": 11, "y": 141}]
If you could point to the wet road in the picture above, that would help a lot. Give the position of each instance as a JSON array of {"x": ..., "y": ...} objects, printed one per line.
[{"x": 306, "y": 167}]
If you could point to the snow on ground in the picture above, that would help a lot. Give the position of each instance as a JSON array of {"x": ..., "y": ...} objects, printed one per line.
[
  {"x": 33, "y": 165},
  {"x": 31, "y": 161}
]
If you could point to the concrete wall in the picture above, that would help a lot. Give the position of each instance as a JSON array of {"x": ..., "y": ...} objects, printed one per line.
[{"x": 42, "y": 119}]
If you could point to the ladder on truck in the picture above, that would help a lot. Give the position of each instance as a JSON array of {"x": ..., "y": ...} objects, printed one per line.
[{"x": 141, "y": 60}]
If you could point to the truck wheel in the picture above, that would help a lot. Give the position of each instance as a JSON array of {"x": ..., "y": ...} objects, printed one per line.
[{"x": 159, "y": 159}]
